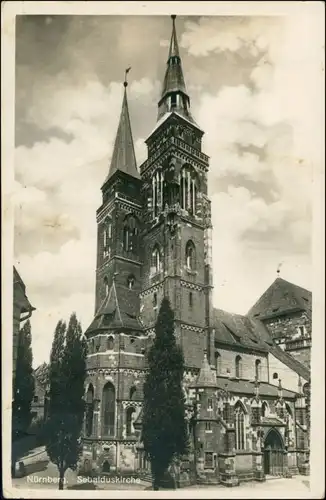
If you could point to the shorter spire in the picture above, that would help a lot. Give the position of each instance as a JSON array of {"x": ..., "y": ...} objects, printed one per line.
[
  {"x": 206, "y": 377},
  {"x": 123, "y": 156}
]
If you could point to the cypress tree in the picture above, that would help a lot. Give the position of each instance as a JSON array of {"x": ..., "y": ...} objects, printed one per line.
[
  {"x": 164, "y": 433},
  {"x": 24, "y": 382},
  {"x": 66, "y": 406}
]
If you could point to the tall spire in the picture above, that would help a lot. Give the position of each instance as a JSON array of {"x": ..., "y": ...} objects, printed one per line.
[
  {"x": 174, "y": 96},
  {"x": 123, "y": 156}
]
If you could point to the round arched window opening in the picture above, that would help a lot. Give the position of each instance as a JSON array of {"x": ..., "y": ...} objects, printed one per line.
[{"x": 275, "y": 375}]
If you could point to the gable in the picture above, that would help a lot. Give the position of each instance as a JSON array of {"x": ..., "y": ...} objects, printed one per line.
[{"x": 280, "y": 298}]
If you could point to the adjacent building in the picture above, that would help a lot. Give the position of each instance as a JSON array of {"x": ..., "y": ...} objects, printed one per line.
[
  {"x": 244, "y": 392},
  {"x": 22, "y": 310}
]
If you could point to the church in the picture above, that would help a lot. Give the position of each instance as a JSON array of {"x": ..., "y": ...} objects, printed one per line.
[{"x": 246, "y": 381}]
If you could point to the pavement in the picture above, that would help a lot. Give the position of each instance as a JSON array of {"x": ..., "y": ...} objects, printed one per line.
[{"x": 43, "y": 474}]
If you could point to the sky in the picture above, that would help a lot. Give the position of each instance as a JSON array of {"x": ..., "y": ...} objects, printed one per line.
[{"x": 253, "y": 84}]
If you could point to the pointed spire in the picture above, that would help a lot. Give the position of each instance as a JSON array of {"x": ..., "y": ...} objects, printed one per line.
[
  {"x": 174, "y": 48},
  {"x": 174, "y": 96},
  {"x": 206, "y": 377},
  {"x": 123, "y": 156}
]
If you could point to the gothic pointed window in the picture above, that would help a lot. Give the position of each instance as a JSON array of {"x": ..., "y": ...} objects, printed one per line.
[
  {"x": 190, "y": 256},
  {"x": 89, "y": 410},
  {"x": 110, "y": 344},
  {"x": 240, "y": 426},
  {"x": 131, "y": 281},
  {"x": 264, "y": 409},
  {"x": 238, "y": 367},
  {"x": 190, "y": 300},
  {"x": 156, "y": 261},
  {"x": 130, "y": 418},
  {"x": 106, "y": 286},
  {"x": 189, "y": 189},
  {"x": 258, "y": 369},
  {"x": 218, "y": 363},
  {"x": 108, "y": 409},
  {"x": 130, "y": 234},
  {"x": 132, "y": 392}
]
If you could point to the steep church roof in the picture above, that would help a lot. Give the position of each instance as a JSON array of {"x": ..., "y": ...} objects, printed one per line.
[
  {"x": 119, "y": 309},
  {"x": 235, "y": 329},
  {"x": 281, "y": 297},
  {"x": 206, "y": 376},
  {"x": 244, "y": 331},
  {"x": 20, "y": 293},
  {"x": 123, "y": 156}
]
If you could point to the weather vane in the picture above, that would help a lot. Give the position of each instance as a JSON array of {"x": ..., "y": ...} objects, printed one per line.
[{"x": 125, "y": 83}]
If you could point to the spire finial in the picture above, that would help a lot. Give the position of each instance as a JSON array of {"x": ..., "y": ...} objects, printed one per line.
[
  {"x": 125, "y": 83},
  {"x": 278, "y": 270}
]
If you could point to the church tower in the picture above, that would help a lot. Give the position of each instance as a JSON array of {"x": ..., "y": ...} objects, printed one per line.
[{"x": 177, "y": 217}]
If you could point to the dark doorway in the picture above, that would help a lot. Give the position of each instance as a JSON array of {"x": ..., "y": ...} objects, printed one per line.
[
  {"x": 273, "y": 454},
  {"x": 106, "y": 466}
]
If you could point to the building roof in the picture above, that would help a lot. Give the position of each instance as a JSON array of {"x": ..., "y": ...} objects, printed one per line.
[
  {"x": 280, "y": 298},
  {"x": 289, "y": 361},
  {"x": 123, "y": 156},
  {"x": 248, "y": 332},
  {"x": 206, "y": 376},
  {"x": 238, "y": 386},
  {"x": 120, "y": 309},
  {"x": 25, "y": 305},
  {"x": 236, "y": 329}
]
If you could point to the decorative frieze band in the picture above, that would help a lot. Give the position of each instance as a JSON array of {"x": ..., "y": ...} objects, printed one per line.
[
  {"x": 187, "y": 284},
  {"x": 192, "y": 328},
  {"x": 148, "y": 291}
]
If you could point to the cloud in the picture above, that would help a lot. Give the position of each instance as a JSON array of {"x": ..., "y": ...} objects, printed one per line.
[{"x": 257, "y": 134}]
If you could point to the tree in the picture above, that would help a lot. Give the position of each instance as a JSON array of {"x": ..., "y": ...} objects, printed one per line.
[
  {"x": 23, "y": 390},
  {"x": 24, "y": 382},
  {"x": 164, "y": 429},
  {"x": 67, "y": 375}
]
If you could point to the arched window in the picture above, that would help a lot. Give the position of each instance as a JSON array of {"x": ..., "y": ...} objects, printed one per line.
[
  {"x": 108, "y": 409},
  {"x": 130, "y": 420},
  {"x": 190, "y": 299},
  {"x": 131, "y": 281},
  {"x": 218, "y": 363},
  {"x": 240, "y": 427},
  {"x": 188, "y": 189},
  {"x": 156, "y": 264},
  {"x": 155, "y": 300},
  {"x": 130, "y": 234},
  {"x": 258, "y": 369},
  {"x": 275, "y": 375},
  {"x": 110, "y": 344},
  {"x": 89, "y": 410},
  {"x": 190, "y": 256},
  {"x": 132, "y": 392},
  {"x": 264, "y": 409},
  {"x": 106, "y": 286},
  {"x": 157, "y": 192},
  {"x": 238, "y": 367}
]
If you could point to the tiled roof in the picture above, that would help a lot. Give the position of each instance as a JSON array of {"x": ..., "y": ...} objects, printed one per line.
[
  {"x": 120, "y": 309},
  {"x": 236, "y": 329},
  {"x": 123, "y": 156},
  {"x": 248, "y": 387},
  {"x": 18, "y": 282},
  {"x": 206, "y": 376},
  {"x": 289, "y": 361},
  {"x": 281, "y": 297}
]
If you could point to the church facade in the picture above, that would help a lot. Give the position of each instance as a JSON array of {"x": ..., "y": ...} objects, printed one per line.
[{"x": 246, "y": 406}]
